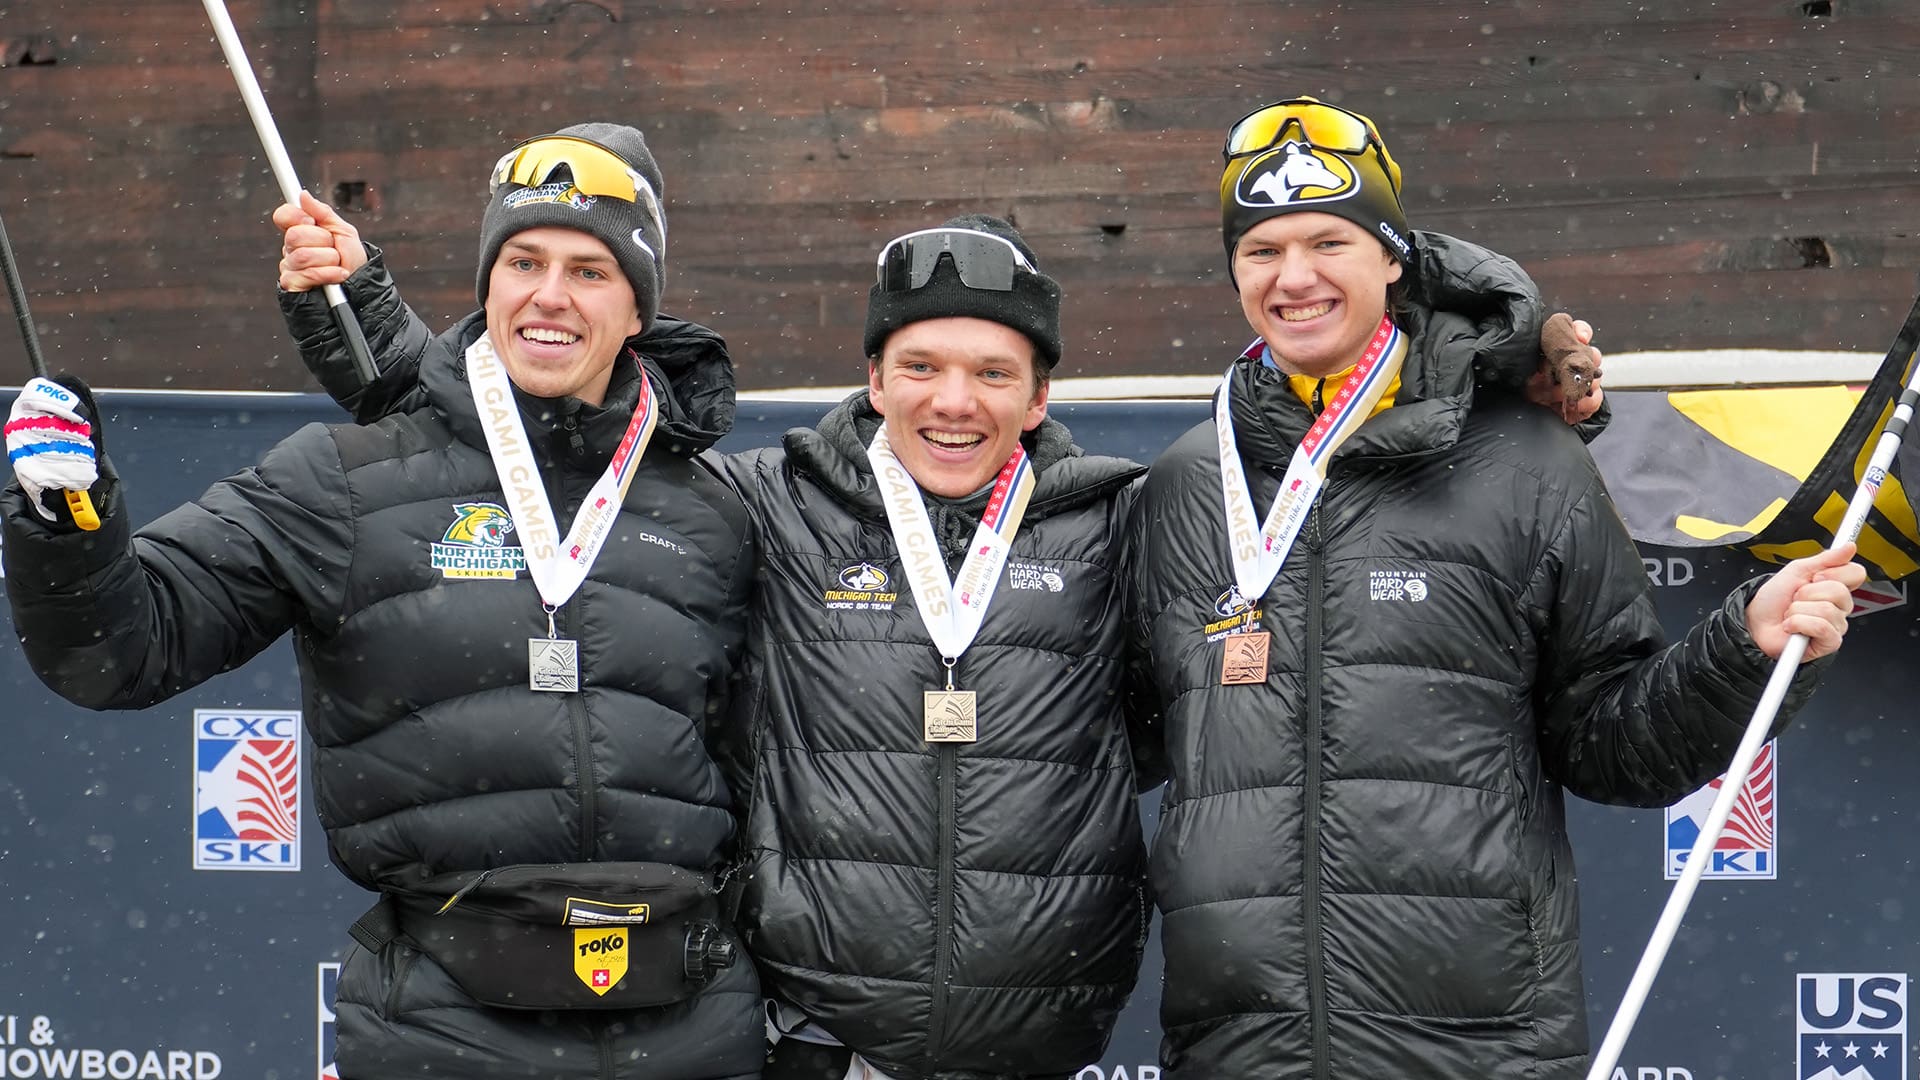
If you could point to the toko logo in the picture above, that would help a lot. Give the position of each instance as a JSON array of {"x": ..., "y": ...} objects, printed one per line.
[
  {"x": 246, "y": 793},
  {"x": 1851, "y": 1027}
]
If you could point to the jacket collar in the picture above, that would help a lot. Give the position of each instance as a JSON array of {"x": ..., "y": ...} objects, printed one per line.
[
  {"x": 1473, "y": 319},
  {"x": 834, "y": 455},
  {"x": 686, "y": 360}
]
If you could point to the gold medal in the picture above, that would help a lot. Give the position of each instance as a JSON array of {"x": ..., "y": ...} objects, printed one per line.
[
  {"x": 948, "y": 716},
  {"x": 1245, "y": 659}
]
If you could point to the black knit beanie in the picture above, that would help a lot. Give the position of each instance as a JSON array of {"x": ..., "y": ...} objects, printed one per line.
[
  {"x": 633, "y": 231},
  {"x": 1032, "y": 306}
]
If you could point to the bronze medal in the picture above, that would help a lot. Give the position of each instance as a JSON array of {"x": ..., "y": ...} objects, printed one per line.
[
  {"x": 948, "y": 716},
  {"x": 1245, "y": 659}
]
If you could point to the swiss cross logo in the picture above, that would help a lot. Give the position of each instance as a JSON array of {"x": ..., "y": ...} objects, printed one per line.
[{"x": 601, "y": 977}]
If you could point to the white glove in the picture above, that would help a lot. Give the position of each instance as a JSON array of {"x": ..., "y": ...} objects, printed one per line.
[{"x": 49, "y": 443}]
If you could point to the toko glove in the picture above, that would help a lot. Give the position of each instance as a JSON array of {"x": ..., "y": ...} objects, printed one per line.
[{"x": 52, "y": 442}]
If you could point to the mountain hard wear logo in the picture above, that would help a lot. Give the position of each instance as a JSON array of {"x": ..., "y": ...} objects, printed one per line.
[
  {"x": 1295, "y": 173},
  {"x": 475, "y": 545}
]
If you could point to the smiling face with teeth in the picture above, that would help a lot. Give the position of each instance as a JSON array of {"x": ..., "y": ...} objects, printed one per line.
[
  {"x": 559, "y": 309},
  {"x": 1314, "y": 287},
  {"x": 957, "y": 394}
]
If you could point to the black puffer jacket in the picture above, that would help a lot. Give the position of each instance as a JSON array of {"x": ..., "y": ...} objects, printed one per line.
[
  {"x": 431, "y": 754},
  {"x": 952, "y": 911},
  {"x": 1362, "y": 864}
]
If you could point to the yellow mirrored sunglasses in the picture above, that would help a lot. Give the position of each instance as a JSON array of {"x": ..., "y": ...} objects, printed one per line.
[
  {"x": 593, "y": 168},
  {"x": 1322, "y": 126}
]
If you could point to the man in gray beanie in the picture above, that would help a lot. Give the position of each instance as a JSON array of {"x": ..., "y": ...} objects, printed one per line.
[{"x": 517, "y": 604}]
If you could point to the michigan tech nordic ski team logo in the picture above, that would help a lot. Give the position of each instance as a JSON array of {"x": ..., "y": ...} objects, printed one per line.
[
  {"x": 1294, "y": 173},
  {"x": 475, "y": 545},
  {"x": 861, "y": 586}
]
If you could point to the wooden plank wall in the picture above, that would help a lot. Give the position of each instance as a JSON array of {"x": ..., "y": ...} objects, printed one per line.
[{"x": 1692, "y": 173}]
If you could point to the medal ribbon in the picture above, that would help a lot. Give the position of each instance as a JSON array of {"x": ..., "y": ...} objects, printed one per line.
[
  {"x": 952, "y": 611},
  {"x": 557, "y": 565},
  {"x": 1257, "y": 556}
]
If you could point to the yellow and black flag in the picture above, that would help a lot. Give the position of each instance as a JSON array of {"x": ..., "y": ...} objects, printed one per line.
[{"x": 1769, "y": 470}]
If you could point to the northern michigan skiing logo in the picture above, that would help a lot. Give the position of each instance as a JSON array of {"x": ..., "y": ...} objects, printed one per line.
[
  {"x": 475, "y": 545},
  {"x": 563, "y": 193},
  {"x": 1294, "y": 173}
]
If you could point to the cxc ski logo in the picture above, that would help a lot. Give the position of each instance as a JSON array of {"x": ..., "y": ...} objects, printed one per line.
[{"x": 1295, "y": 172}]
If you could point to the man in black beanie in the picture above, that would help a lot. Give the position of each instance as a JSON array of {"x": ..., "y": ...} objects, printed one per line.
[{"x": 517, "y": 604}]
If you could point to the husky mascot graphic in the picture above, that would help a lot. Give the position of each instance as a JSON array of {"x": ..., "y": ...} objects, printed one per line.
[{"x": 1294, "y": 173}]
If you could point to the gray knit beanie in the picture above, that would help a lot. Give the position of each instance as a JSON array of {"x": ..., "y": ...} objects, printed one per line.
[{"x": 634, "y": 230}]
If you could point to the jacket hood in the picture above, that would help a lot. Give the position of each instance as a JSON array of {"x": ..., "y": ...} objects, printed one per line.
[
  {"x": 688, "y": 359},
  {"x": 1472, "y": 318},
  {"x": 834, "y": 454}
]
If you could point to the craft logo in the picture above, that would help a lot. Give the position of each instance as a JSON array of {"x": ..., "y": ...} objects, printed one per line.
[
  {"x": 246, "y": 790},
  {"x": 860, "y": 587},
  {"x": 1851, "y": 1027},
  {"x": 1235, "y": 616},
  {"x": 1293, "y": 173},
  {"x": 1749, "y": 845},
  {"x": 562, "y": 192},
  {"x": 1021, "y": 575},
  {"x": 329, "y": 982},
  {"x": 475, "y": 545},
  {"x": 1403, "y": 585}
]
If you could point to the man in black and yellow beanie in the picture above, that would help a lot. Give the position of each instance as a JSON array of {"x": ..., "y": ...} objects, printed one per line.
[{"x": 1436, "y": 625}]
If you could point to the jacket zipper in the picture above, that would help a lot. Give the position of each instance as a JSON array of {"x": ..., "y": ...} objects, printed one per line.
[
  {"x": 576, "y": 705},
  {"x": 1316, "y": 958},
  {"x": 947, "y": 759}
]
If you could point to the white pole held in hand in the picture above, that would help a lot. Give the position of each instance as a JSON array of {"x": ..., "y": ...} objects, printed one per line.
[{"x": 1756, "y": 736}]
